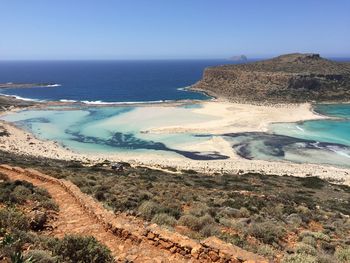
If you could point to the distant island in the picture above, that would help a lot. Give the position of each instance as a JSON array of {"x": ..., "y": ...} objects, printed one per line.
[
  {"x": 241, "y": 58},
  {"x": 11, "y": 85},
  {"x": 291, "y": 78}
]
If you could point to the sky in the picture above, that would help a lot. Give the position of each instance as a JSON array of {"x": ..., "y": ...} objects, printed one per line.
[{"x": 171, "y": 29}]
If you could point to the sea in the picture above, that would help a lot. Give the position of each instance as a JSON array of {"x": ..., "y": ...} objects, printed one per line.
[
  {"x": 106, "y": 81},
  {"x": 123, "y": 129}
]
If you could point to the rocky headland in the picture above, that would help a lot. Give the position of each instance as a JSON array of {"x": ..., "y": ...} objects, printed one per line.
[
  {"x": 292, "y": 78},
  {"x": 9, "y": 102}
]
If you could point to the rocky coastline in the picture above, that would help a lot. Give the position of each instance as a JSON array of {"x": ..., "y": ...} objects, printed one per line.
[{"x": 292, "y": 78}]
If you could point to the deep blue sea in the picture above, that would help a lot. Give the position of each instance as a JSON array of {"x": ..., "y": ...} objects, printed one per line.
[{"x": 107, "y": 81}]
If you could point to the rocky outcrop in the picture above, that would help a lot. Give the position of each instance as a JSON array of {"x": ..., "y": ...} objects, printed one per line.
[
  {"x": 291, "y": 78},
  {"x": 8, "y": 103}
]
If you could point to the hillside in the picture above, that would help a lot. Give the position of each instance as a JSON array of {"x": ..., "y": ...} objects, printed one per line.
[
  {"x": 305, "y": 219},
  {"x": 285, "y": 79}
]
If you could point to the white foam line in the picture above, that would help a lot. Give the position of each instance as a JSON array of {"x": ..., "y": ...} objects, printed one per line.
[
  {"x": 53, "y": 85},
  {"x": 99, "y": 102},
  {"x": 300, "y": 129},
  {"x": 184, "y": 88},
  {"x": 22, "y": 98},
  {"x": 337, "y": 151},
  {"x": 63, "y": 100}
]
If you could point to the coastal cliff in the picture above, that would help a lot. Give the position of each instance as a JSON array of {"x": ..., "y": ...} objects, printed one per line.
[{"x": 291, "y": 78}]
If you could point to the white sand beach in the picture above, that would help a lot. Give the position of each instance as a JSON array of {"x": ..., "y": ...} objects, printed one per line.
[
  {"x": 229, "y": 117},
  {"x": 234, "y": 117}
]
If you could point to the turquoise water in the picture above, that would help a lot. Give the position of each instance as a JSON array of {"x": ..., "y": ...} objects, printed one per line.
[
  {"x": 324, "y": 141},
  {"x": 329, "y": 130},
  {"x": 116, "y": 129},
  {"x": 126, "y": 130},
  {"x": 334, "y": 110}
]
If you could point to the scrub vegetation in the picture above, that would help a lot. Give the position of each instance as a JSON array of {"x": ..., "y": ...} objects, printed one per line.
[
  {"x": 26, "y": 216},
  {"x": 284, "y": 218}
]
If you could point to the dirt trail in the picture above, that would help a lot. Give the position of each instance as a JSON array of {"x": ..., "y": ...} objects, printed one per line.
[{"x": 72, "y": 219}]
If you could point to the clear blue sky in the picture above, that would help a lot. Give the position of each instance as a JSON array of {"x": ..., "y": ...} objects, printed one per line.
[{"x": 161, "y": 29}]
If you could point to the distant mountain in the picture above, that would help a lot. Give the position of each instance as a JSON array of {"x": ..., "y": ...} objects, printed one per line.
[
  {"x": 241, "y": 58},
  {"x": 288, "y": 78}
]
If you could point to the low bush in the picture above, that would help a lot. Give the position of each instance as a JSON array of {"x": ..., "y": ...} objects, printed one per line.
[
  {"x": 199, "y": 209},
  {"x": 299, "y": 258},
  {"x": 303, "y": 248},
  {"x": 268, "y": 232},
  {"x": 316, "y": 235},
  {"x": 19, "y": 192},
  {"x": 310, "y": 240},
  {"x": 190, "y": 221},
  {"x": 343, "y": 254},
  {"x": 326, "y": 258},
  {"x": 82, "y": 249},
  {"x": 209, "y": 230},
  {"x": 164, "y": 219},
  {"x": 13, "y": 219},
  {"x": 244, "y": 212},
  {"x": 196, "y": 223},
  {"x": 266, "y": 251},
  {"x": 40, "y": 256},
  {"x": 148, "y": 209},
  {"x": 49, "y": 204}
]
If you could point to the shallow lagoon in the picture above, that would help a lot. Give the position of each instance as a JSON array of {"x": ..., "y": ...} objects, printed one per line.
[
  {"x": 115, "y": 129},
  {"x": 123, "y": 129},
  {"x": 324, "y": 141}
]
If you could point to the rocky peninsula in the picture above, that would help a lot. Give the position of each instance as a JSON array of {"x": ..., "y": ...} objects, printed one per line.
[{"x": 291, "y": 78}]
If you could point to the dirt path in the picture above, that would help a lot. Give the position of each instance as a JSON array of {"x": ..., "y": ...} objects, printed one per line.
[{"x": 72, "y": 219}]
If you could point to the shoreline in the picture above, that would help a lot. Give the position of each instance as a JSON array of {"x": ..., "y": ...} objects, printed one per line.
[{"x": 24, "y": 143}]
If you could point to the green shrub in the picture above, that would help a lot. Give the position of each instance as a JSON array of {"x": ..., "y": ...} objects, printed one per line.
[
  {"x": 50, "y": 205},
  {"x": 316, "y": 235},
  {"x": 164, "y": 219},
  {"x": 313, "y": 182},
  {"x": 148, "y": 209},
  {"x": 18, "y": 257},
  {"x": 268, "y": 232},
  {"x": 41, "y": 256},
  {"x": 196, "y": 223},
  {"x": 299, "y": 258},
  {"x": 13, "y": 219},
  {"x": 227, "y": 222},
  {"x": 82, "y": 249},
  {"x": 206, "y": 220},
  {"x": 21, "y": 193},
  {"x": 244, "y": 212},
  {"x": 209, "y": 230},
  {"x": 266, "y": 251},
  {"x": 326, "y": 258},
  {"x": 190, "y": 221},
  {"x": 310, "y": 240},
  {"x": 18, "y": 192},
  {"x": 302, "y": 248},
  {"x": 321, "y": 236},
  {"x": 199, "y": 209},
  {"x": 233, "y": 239},
  {"x": 343, "y": 254}
]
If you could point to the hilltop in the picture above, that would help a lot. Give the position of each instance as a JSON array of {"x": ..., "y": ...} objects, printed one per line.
[{"x": 290, "y": 78}]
